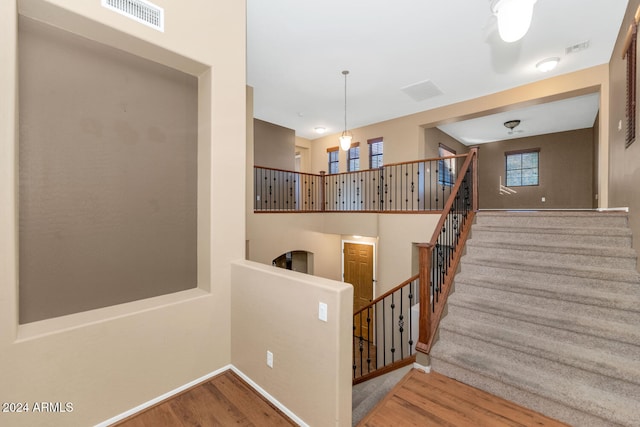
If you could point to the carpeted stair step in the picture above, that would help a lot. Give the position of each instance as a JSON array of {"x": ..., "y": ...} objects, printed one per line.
[
  {"x": 594, "y": 256},
  {"x": 615, "y": 295},
  {"x": 579, "y": 219},
  {"x": 606, "y": 345},
  {"x": 598, "y": 236},
  {"x": 540, "y": 345},
  {"x": 602, "y": 328},
  {"x": 552, "y": 302},
  {"x": 577, "y": 389},
  {"x": 546, "y": 271}
]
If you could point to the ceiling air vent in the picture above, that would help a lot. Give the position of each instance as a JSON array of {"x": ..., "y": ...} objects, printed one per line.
[
  {"x": 577, "y": 47},
  {"x": 139, "y": 10}
]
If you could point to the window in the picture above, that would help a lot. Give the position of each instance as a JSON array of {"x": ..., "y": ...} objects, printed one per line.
[
  {"x": 375, "y": 153},
  {"x": 333, "y": 159},
  {"x": 522, "y": 167},
  {"x": 446, "y": 167},
  {"x": 630, "y": 54},
  {"x": 353, "y": 157}
]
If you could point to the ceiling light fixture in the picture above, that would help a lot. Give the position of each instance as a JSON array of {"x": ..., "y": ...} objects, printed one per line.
[
  {"x": 345, "y": 138},
  {"x": 320, "y": 130},
  {"x": 548, "y": 64},
  {"x": 514, "y": 18},
  {"x": 511, "y": 124}
]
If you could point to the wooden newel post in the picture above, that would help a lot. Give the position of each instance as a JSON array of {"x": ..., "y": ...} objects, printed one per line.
[
  {"x": 425, "y": 256},
  {"x": 322, "y": 190}
]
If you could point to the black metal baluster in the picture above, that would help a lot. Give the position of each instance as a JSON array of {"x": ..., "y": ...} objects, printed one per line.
[
  {"x": 393, "y": 341},
  {"x": 401, "y": 327}
]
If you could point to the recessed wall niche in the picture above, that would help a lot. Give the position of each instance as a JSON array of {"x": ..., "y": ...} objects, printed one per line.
[{"x": 107, "y": 175}]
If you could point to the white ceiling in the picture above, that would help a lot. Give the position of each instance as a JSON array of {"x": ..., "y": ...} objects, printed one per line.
[
  {"x": 296, "y": 51},
  {"x": 559, "y": 116}
]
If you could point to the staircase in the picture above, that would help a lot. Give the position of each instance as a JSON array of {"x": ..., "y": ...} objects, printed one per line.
[{"x": 545, "y": 312}]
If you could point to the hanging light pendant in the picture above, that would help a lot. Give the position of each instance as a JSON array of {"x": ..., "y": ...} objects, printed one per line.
[
  {"x": 345, "y": 138},
  {"x": 514, "y": 18}
]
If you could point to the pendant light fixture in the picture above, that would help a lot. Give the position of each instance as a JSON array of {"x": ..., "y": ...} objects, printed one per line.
[
  {"x": 345, "y": 138},
  {"x": 514, "y": 18}
]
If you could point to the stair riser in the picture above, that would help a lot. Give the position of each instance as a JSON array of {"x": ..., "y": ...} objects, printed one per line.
[
  {"x": 538, "y": 238},
  {"x": 557, "y": 290},
  {"x": 580, "y": 325},
  {"x": 552, "y": 302},
  {"x": 476, "y": 356},
  {"x": 555, "y": 333},
  {"x": 524, "y": 221},
  {"x": 552, "y": 257},
  {"x": 596, "y": 279},
  {"x": 536, "y": 402},
  {"x": 542, "y": 348}
]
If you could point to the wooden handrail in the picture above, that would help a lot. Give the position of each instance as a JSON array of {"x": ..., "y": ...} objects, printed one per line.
[{"x": 428, "y": 323}]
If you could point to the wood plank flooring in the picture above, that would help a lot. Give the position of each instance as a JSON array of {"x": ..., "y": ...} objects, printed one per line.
[
  {"x": 421, "y": 399},
  {"x": 225, "y": 400}
]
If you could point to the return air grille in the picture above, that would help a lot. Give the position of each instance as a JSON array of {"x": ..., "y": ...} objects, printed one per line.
[{"x": 138, "y": 10}]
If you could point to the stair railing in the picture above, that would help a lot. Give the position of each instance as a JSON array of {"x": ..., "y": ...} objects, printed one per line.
[
  {"x": 385, "y": 332},
  {"x": 440, "y": 257}
]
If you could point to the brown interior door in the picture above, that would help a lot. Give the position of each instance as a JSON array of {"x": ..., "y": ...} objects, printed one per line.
[{"x": 358, "y": 271}]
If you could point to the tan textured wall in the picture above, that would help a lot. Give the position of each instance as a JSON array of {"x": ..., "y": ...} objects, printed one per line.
[
  {"x": 565, "y": 172},
  {"x": 434, "y": 137},
  {"x": 109, "y": 360},
  {"x": 274, "y": 146},
  {"x": 270, "y": 235},
  {"x": 311, "y": 372},
  {"x": 625, "y": 162},
  {"x": 107, "y": 160}
]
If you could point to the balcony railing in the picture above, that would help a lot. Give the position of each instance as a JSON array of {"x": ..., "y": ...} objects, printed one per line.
[{"x": 423, "y": 185}]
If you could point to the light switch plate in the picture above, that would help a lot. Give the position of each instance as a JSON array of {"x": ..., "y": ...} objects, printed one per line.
[
  {"x": 322, "y": 311},
  {"x": 269, "y": 359}
]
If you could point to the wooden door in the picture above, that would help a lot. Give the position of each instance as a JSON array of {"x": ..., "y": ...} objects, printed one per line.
[{"x": 358, "y": 271}]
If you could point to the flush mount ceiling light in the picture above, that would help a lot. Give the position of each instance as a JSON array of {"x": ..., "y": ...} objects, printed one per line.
[
  {"x": 345, "y": 138},
  {"x": 514, "y": 18},
  {"x": 548, "y": 64},
  {"x": 320, "y": 130},
  {"x": 511, "y": 124}
]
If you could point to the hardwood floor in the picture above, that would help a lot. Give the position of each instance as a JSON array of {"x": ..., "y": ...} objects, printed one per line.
[
  {"x": 422, "y": 399},
  {"x": 225, "y": 400}
]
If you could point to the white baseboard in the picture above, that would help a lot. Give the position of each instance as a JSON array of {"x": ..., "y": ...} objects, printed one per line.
[
  {"x": 422, "y": 368},
  {"x": 270, "y": 398},
  {"x": 197, "y": 381}
]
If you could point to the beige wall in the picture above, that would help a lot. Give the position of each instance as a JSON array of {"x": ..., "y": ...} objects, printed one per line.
[
  {"x": 274, "y": 146},
  {"x": 277, "y": 310},
  {"x": 565, "y": 172},
  {"x": 625, "y": 162},
  {"x": 109, "y": 360},
  {"x": 271, "y": 235},
  {"x": 433, "y": 137}
]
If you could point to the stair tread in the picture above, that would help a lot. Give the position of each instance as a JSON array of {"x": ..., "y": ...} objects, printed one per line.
[
  {"x": 628, "y": 333},
  {"x": 604, "y": 344},
  {"x": 590, "y": 359},
  {"x": 553, "y": 302},
  {"x": 621, "y": 296},
  {"x": 579, "y": 231},
  {"x": 559, "y": 248},
  {"x": 614, "y": 274},
  {"x": 568, "y": 386}
]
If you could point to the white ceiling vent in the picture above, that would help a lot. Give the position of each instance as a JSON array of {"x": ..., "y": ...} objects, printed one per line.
[
  {"x": 578, "y": 47},
  {"x": 139, "y": 10},
  {"x": 422, "y": 90}
]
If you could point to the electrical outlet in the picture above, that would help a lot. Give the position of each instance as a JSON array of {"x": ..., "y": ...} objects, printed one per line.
[
  {"x": 322, "y": 311},
  {"x": 544, "y": 199},
  {"x": 269, "y": 359}
]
